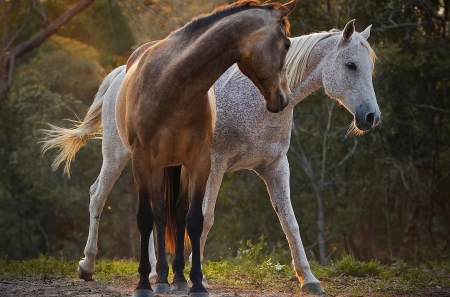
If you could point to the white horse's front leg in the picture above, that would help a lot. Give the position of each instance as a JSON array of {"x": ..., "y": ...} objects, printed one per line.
[
  {"x": 209, "y": 202},
  {"x": 110, "y": 172},
  {"x": 276, "y": 177}
]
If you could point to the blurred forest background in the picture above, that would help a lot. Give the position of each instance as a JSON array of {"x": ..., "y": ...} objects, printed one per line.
[{"x": 382, "y": 195}]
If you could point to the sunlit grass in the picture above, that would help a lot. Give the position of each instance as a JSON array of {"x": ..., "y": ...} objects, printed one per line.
[
  {"x": 253, "y": 269},
  {"x": 42, "y": 267}
]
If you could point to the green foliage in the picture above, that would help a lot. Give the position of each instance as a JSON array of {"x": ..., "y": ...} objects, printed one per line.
[
  {"x": 107, "y": 269},
  {"x": 103, "y": 26},
  {"x": 349, "y": 266},
  {"x": 43, "y": 90},
  {"x": 155, "y": 19},
  {"x": 251, "y": 266},
  {"x": 244, "y": 273},
  {"x": 44, "y": 267},
  {"x": 47, "y": 267}
]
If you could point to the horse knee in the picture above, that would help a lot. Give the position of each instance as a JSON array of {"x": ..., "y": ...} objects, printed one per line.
[
  {"x": 144, "y": 221},
  {"x": 291, "y": 226},
  {"x": 194, "y": 225},
  {"x": 208, "y": 222},
  {"x": 95, "y": 207},
  {"x": 93, "y": 189}
]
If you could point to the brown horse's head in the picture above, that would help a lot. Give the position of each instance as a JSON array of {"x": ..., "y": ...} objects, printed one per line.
[{"x": 264, "y": 52}]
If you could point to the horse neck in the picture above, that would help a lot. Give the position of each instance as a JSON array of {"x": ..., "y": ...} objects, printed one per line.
[
  {"x": 211, "y": 52},
  {"x": 312, "y": 77}
]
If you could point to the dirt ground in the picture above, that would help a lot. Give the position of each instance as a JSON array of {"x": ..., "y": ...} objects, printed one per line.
[{"x": 80, "y": 288}]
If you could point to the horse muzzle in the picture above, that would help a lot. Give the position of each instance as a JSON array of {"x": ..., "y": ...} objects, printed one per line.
[
  {"x": 368, "y": 121},
  {"x": 279, "y": 102}
]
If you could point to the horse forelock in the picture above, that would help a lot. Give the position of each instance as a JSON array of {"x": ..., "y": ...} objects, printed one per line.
[
  {"x": 356, "y": 40},
  {"x": 225, "y": 10}
]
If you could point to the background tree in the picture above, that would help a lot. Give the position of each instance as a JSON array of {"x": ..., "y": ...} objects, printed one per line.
[{"x": 16, "y": 17}]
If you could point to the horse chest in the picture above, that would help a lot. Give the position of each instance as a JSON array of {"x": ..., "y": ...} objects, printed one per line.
[
  {"x": 247, "y": 135},
  {"x": 246, "y": 145}
]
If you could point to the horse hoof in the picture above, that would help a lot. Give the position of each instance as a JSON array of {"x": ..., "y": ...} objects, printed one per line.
[
  {"x": 204, "y": 283},
  {"x": 198, "y": 294},
  {"x": 179, "y": 287},
  {"x": 315, "y": 288},
  {"x": 152, "y": 278},
  {"x": 142, "y": 293},
  {"x": 83, "y": 274},
  {"x": 161, "y": 288}
]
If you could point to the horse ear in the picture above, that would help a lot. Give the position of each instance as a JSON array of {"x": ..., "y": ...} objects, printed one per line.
[
  {"x": 290, "y": 5},
  {"x": 366, "y": 32},
  {"x": 348, "y": 30},
  {"x": 288, "y": 8}
]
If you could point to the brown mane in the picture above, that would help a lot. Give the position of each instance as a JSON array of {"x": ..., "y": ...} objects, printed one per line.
[{"x": 222, "y": 11}]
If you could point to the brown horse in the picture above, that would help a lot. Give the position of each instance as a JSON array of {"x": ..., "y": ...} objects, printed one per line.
[{"x": 165, "y": 117}]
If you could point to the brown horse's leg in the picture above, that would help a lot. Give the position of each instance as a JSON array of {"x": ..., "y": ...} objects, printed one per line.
[
  {"x": 159, "y": 211},
  {"x": 182, "y": 206},
  {"x": 145, "y": 224},
  {"x": 198, "y": 177}
]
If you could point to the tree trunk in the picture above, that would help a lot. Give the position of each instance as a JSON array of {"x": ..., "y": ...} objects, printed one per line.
[{"x": 410, "y": 235}]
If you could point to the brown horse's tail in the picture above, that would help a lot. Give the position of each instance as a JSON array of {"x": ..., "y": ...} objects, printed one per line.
[
  {"x": 172, "y": 186},
  {"x": 69, "y": 141}
]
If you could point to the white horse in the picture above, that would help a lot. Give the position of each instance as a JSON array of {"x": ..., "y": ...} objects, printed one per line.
[{"x": 246, "y": 136}]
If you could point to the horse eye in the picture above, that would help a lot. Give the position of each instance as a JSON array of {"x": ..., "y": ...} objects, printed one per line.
[
  {"x": 287, "y": 44},
  {"x": 351, "y": 65}
]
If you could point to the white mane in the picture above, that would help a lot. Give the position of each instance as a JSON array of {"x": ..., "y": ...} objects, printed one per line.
[{"x": 298, "y": 54}]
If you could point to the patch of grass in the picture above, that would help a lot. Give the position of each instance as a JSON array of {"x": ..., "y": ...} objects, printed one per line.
[
  {"x": 253, "y": 269},
  {"x": 349, "y": 266},
  {"x": 43, "y": 267},
  {"x": 110, "y": 269},
  {"x": 250, "y": 267},
  {"x": 398, "y": 278},
  {"x": 46, "y": 267}
]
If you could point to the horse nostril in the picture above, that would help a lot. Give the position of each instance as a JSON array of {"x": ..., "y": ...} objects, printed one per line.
[
  {"x": 370, "y": 118},
  {"x": 377, "y": 119},
  {"x": 280, "y": 102}
]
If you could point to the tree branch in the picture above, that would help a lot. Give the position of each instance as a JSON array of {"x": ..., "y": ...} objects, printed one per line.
[
  {"x": 38, "y": 39},
  {"x": 54, "y": 26}
]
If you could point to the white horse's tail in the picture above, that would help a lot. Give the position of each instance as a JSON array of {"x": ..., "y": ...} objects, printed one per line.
[{"x": 70, "y": 140}]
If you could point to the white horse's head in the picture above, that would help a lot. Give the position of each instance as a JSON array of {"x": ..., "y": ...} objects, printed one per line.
[{"x": 347, "y": 77}]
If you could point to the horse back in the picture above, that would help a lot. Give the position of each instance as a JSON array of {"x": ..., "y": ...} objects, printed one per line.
[{"x": 139, "y": 51}]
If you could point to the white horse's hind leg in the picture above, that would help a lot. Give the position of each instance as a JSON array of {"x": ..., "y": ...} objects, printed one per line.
[
  {"x": 276, "y": 177},
  {"x": 110, "y": 172},
  {"x": 152, "y": 257},
  {"x": 115, "y": 157}
]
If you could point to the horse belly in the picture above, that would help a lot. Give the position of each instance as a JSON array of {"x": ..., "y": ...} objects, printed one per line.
[
  {"x": 254, "y": 157},
  {"x": 171, "y": 147}
]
